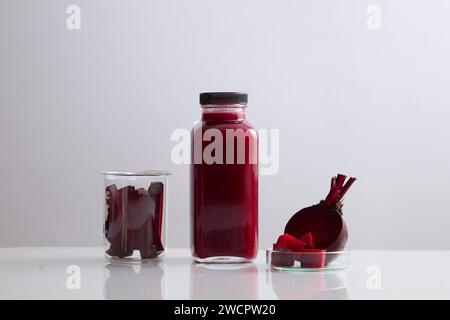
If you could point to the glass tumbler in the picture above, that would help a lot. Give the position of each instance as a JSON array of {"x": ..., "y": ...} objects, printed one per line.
[{"x": 135, "y": 210}]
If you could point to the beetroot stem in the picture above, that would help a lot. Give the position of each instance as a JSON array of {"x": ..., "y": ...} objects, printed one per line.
[
  {"x": 336, "y": 183},
  {"x": 340, "y": 181},
  {"x": 332, "y": 186},
  {"x": 333, "y": 183},
  {"x": 345, "y": 188}
]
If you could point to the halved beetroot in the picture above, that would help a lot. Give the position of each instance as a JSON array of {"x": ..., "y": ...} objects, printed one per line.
[
  {"x": 324, "y": 220},
  {"x": 324, "y": 223}
]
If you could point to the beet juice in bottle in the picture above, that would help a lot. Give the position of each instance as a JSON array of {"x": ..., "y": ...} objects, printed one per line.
[{"x": 224, "y": 178}]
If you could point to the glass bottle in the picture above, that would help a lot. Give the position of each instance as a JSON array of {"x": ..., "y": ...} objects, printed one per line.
[{"x": 224, "y": 178}]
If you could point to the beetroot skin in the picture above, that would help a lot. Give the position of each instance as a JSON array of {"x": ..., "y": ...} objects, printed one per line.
[{"x": 324, "y": 220}]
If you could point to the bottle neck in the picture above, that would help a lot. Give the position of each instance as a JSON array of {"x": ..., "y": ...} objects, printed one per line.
[{"x": 234, "y": 112}]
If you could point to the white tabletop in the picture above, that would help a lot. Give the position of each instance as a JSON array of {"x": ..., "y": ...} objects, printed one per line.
[{"x": 83, "y": 273}]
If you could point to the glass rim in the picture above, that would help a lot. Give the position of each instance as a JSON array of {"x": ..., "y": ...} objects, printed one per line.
[
  {"x": 306, "y": 252},
  {"x": 145, "y": 173}
]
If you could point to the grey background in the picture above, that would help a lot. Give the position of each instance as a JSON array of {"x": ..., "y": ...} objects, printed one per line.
[{"x": 374, "y": 104}]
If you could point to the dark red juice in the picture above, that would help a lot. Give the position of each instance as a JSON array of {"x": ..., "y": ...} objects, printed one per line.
[{"x": 224, "y": 183}]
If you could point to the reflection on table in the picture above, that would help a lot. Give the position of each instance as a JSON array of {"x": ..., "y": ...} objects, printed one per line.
[
  {"x": 125, "y": 281},
  {"x": 219, "y": 281},
  {"x": 308, "y": 285}
]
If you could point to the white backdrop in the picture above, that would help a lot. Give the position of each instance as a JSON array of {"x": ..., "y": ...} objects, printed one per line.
[{"x": 347, "y": 98}]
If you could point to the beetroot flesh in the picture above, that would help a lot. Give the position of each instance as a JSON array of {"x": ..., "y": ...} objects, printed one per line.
[
  {"x": 288, "y": 242},
  {"x": 308, "y": 241},
  {"x": 312, "y": 258},
  {"x": 282, "y": 258},
  {"x": 134, "y": 220},
  {"x": 283, "y": 247},
  {"x": 289, "y": 249}
]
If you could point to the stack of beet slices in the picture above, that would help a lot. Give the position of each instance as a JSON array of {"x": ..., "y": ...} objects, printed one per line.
[
  {"x": 314, "y": 231},
  {"x": 134, "y": 220}
]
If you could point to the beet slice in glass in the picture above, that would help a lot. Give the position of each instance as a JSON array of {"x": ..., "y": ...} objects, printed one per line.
[{"x": 156, "y": 191}]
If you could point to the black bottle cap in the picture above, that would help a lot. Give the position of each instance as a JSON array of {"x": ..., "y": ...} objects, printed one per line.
[{"x": 223, "y": 97}]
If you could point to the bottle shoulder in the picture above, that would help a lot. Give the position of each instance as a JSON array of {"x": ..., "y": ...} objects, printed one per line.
[{"x": 242, "y": 124}]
